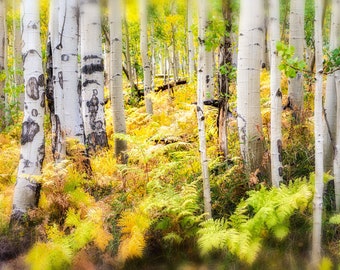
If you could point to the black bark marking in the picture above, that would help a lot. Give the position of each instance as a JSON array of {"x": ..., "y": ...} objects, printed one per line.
[
  {"x": 41, "y": 80},
  {"x": 41, "y": 155},
  {"x": 61, "y": 79},
  {"x": 87, "y": 82},
  {"x": 32, "y": 88},
  {"x": 207, "y": 79},
  {"x": 65, "y": 57},
  {"x": 27, "y": 163},
  {"x": 278, "y": 93},
  {"x": 279, "y": 149},
  {"x": 34, "y": 112},
  {"x": 96, "y": 64},
  {"x": 280, "y": 171},
  {"x": 42, "y": 103},
  {"x": 93, "y": 106},
  {"x": 29, "y": 130}
]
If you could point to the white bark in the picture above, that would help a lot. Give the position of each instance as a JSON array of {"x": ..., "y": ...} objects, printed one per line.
[
  {"x": 296, "y": 39},
  {"x": 2, "y": 61},
  {"x": 145, "y": 58},
  {"x": 117, "y": 98},
  {"x": 209, "y": 77},
  {"x": 55, "y": 92},
  {"x": 68, "y": 27},
  {"x": 318, "y": 133},
  {"x": 334, "y": 80},
  {"x": 190, "y": 37},
  {"x": 26, "y": 192},
  {"x": 336, "y": 163},
  {"x": 248, "y": 82},
  {"x": 92, "y": 72},
  {"x": 201, "y": 84},
  {"x": 275, "y": 94},
  {"x": 330, "y": 125}
]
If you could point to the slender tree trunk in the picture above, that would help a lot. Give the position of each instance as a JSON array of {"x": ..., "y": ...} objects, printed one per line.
[
  {"x": 27, "y": 190},
  {"x": 128, "y": 56},
  {"x": 248, "y": 82},
  {"x": 225, "y": 60},
  {"x": 117, "y": 79},
  {"x": 296, "y": 39},
  {"x": 92, "y": 72},
  {"x": 190, "y": 37},
  {"x": 201, "y": 84},
  {"x": 330, "y": 125},
  {"x": 2, "y": 62},
  {"x": 333, "y": 88},
  {"x": 145, "y": 58},
  {"x": 17, "y": 63},
  {"x": 318, "y": 131},
  {"x": 275, "y": 94}
]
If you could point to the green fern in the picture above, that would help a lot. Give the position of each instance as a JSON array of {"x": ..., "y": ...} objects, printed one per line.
[{"x": 265, "y": 211}]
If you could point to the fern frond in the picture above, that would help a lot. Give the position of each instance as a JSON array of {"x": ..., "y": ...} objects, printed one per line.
[
  {"x": 335, "y": 219},
  {"x": 49, "y": 256}
]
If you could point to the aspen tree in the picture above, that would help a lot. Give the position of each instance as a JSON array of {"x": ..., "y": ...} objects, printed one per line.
[
  {"x": 296, "y": 39},
  {"x": 201, "y": 85},
  {"x": 2, "y": 62},
  {"x": 117, "y": 79},
  {"x": 275, "y": 94},
  {"x": 318, "y": 133},
  {"x": 27, "y": 190},
  {"x": 224, "y": 61},
  {"x": 144, "y": 53},
  {"x": 92, "y": 75},
  {"x": 190, "y": 38},
  {"x": 330, "y": 123},
  {"x": 334, "y": 81},
  {"x": 248, "y": 82}
]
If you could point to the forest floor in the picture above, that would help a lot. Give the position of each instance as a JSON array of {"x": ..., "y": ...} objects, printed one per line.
[{"x": 147, "y": 214}]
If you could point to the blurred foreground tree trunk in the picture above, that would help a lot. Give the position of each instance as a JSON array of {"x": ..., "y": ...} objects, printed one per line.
[
  {"x": 2, "y": 63},
  {"x": 27, "y": 190},
  {"x": 334, "y": 81},
  {"x": 116, "y": 80},
  {"x": 331, "y": 103}
]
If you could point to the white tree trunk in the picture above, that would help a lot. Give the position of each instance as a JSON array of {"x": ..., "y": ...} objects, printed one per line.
[
  {"x": 145, "y": 58},
  {"x": 92, "y": 72},
  {"x": 26, "y": 192},
  {"x": 336, "y": 162},
  {"x": 209, "y": 77},
  {"x": 68, "y": 27},
  {"x": 334, "y": 80},
  {"x": 55, "y": 93},
  {"x": 201, "y": 85},
  {"x": 275, "y": 94},
  {"x": 190, "y": 37},
  {"x": 248, "y": 82},
  {"x": 2, "y": 62},
  {"x": 117, "y": 98},
  {"x": 318, "y": 133},
  {"x": 296, "y": 39},
  {"x": 330, "y": 125}
]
